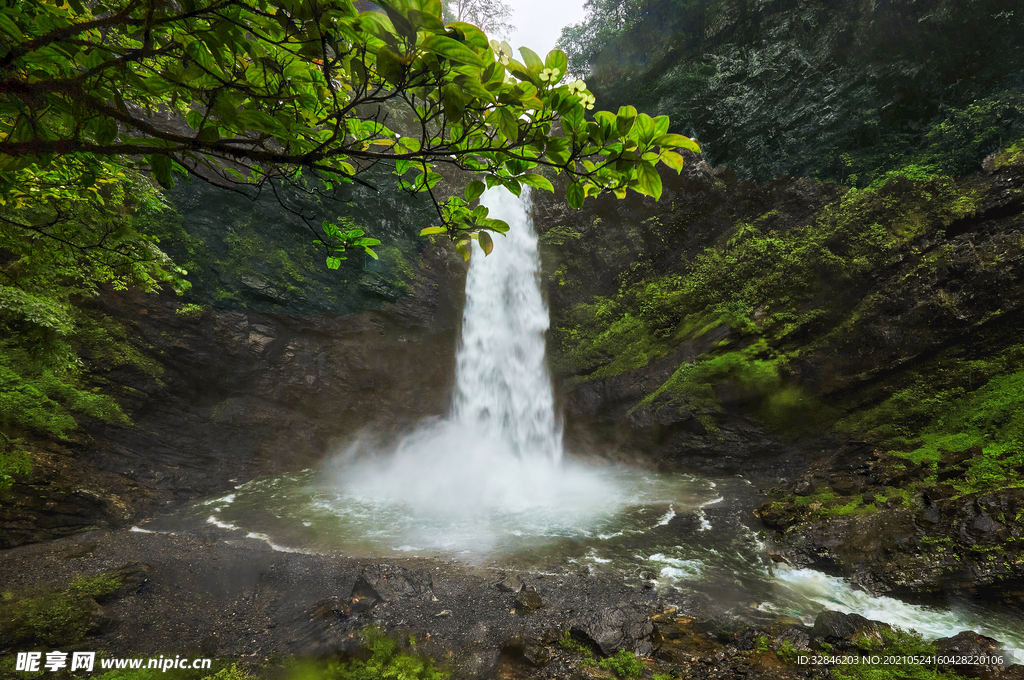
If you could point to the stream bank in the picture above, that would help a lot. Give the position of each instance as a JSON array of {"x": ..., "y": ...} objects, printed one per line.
[{"x": 240, "y": 601}]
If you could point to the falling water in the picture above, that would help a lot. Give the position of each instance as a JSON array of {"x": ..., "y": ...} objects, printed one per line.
[{"x": 502, "y": 382}]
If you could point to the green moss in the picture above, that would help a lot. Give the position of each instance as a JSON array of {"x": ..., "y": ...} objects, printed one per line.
[
  {"x": 104, "y": 339},
  {"x": 895, "y": 643},
  {"x": 191, "y": 310},
  {"x": 383, "y": 661},
  {"x": 761, "y": 283},
  {"x": 57, "y": 617},
  {"x": 1011, "y": 155},
  {"x": 559, "y": 235},
  {"x": 624, "y": 664},
  {"x": 953, "y": 405},
  {"x": 571, "y": 644},
  {"x": 14, "y": 461}
]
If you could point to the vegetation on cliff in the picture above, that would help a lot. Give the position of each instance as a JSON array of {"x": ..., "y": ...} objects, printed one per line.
[{"x": 839, "y": 90}]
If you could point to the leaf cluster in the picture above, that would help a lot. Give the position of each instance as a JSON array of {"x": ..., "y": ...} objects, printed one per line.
[{"x": 252, "y": 91}]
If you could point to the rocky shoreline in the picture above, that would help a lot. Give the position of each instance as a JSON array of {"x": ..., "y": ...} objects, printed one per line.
[{"x": 240, "y": 601}]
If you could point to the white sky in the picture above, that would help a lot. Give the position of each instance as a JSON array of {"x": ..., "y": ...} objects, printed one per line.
[{"x": 540, "y": 22}]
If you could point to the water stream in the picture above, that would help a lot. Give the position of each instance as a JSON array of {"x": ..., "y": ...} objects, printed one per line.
[{"x": 489, "y": 483}]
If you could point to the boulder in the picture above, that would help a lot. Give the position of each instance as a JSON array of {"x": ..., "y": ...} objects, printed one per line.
[
  {"x": 623, "y": 626},
  {"x": 390, "y": 582},
  {"x": 837, "y": 628},
  {"x": 510, "y": 584},
  {"x": 528, "y": 599},
  {"x": 971, "y": 644}
]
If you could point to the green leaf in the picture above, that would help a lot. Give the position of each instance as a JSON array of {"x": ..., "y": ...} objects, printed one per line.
[
  {"x": 513, "y": 185},
  {"x": 574, "y": 194},
  {"x": 8, "y": 26},
  {"x": 484, "y": 239},
  {"x": 677, "y": 141},
  {"x": 161, "y": 166},
  {"x": 557, "y": 60},
  {"x": 644, "y": 129},
  {"x": 536, "y": 181},
  {"x": 425, "y": 20},
  {"x": 473, "y": 35},
  {"x": 462, "y": 248},
  {"x": 389, "y": 67},
  {"x": 474, "y": 190},
  {"x": 672, "y": 160},
  {"x": 451, "y": 49},
  {"x": 402, "y": 25},
  {"x": 624, "y": 121},
  {"x": 369, "y": 251},
  {"x": 506, "y": 123},
  {"x": 531, "y": 60},
  {"x": 660, "y": 125},
  {"x": 433, "y": 230},
  {"x": 649, "y": 179},
  {"x": 333, "y": 262}
]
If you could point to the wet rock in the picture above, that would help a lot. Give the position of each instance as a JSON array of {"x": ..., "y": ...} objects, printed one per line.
[
  {"x": 510, "y": 584},
  {"x": 955, "y": 458},
  {"x": 779, "y": 516},
  {"x": 132, "y": 577},
  {"x": 390, "y": 582},
  {"x": 970, "y": 644},
  {"x": 528, "y": 599},
  {"x": 522, "y": 650},
  {"x": 99, "y": 620},
  {"x": 798, "y": 638},
  {"x": 837, "y": 628},
  {"x": 846, "y": 484},
  {"x": 623, "y": 626}
]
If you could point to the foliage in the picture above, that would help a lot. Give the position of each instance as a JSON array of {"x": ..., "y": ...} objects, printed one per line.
[
  {"x": 624, "y": 664},
  {"x": 896, "y": 643},
  {"x": 269, "y": 88},
  {"x": 616, "y": 26},
  {"x": 37, "y": 399},
  {"x": 58, "y": 617},
  {"x": 14, "y": 461},
  {"x": 383, "y": 661},
  {"x": 191, "y": 310},
  {"x": 762, "y": 281}
]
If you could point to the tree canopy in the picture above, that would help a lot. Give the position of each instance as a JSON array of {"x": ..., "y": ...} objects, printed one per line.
[
  {"x": 490, "y": 16},
  {"x": 256, "y": 91}
]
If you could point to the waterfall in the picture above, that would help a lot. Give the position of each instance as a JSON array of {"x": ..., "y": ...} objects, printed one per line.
[
  {"x": 502, "y": 383},
  {"x": 492, "y": 469}
]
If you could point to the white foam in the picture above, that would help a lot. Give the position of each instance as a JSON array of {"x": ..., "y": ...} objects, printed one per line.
[
  {"x": 667, "y": 517},
  {"x": 223, "y": 525}
]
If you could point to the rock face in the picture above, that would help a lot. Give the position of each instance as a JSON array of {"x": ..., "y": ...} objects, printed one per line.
[{"x": 223, "y": 396}]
